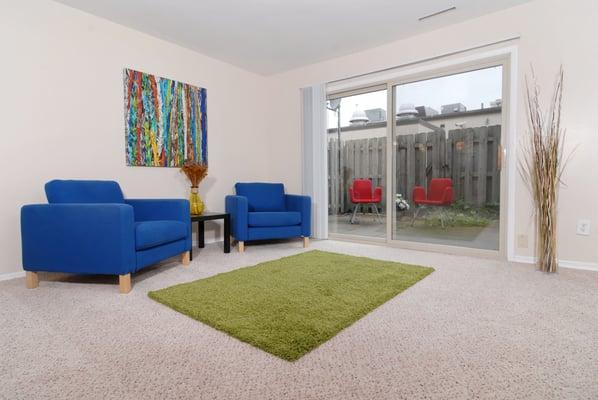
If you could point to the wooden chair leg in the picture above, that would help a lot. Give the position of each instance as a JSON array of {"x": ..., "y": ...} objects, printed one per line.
[
  {"x": 124, "y": 283},
  {"x": 186, "y": 258},
  {"x": 241, "y": 245},
  {"x": 31, "y": 280},
  {"x": 305, "y": 242}
]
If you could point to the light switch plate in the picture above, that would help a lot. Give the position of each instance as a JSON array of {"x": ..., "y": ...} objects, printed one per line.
[{"x": 583, "y": 227}]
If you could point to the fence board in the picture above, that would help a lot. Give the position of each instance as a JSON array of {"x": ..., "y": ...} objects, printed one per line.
[{"x": 468, "y": 156}]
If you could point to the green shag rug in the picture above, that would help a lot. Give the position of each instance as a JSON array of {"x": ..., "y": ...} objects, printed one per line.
[{"x": 290, "y": 306}]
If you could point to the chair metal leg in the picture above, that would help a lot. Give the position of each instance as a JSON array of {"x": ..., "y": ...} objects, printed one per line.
[
  {"x": 415, "y": 214},
  {"x": 442, "y": 217},
  {"x": 378, "y": 217},
  {"x": 352, "y": 221}
]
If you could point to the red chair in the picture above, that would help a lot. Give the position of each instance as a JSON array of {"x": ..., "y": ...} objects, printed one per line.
[
  {"x": 361, "y": 193},
  {"x": 439, "y": 195}
]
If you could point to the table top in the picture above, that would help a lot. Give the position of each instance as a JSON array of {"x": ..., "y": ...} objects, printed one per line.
[{"x": 208, "y": 215}]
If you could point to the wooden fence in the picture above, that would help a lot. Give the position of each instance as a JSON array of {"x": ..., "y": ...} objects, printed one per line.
[{"x": 469, "y": 156}]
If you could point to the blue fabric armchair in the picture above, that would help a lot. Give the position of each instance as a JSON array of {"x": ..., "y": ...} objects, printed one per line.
[
  {"x": 263, "y": 211},
  {"x": 89, "y": 228}
]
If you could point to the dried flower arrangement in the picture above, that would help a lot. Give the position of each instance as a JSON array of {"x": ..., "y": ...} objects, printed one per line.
[
  {"x": 542, "y": 167},
  {"x": 195, "y": 172}
]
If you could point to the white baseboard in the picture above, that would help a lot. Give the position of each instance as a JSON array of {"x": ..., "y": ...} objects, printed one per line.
[
  {"x": 587, "y": 266},
  {"x": 12, "y": 275}
]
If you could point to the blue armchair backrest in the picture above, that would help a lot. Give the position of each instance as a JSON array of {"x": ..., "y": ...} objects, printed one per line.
[
  {"x": 262, "y": 196},
  {"x": 75, "y": 191}
]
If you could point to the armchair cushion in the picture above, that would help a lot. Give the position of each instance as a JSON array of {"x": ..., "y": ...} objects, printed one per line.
[
  {"x": 74, "y": 191},
  {"x": 438, "y": 188},
  {"x": 267, "y": 218},
  {"x": 262, "y": 196},
  {"x": 155, "y": 233}
]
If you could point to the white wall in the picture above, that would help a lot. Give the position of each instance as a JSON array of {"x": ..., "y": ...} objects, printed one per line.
[
  {"x": 552, "y": 32},
  {"x": 62, "y": 111}
]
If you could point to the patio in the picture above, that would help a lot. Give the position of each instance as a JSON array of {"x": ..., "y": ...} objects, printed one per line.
[{"x": 479, "y": 237}]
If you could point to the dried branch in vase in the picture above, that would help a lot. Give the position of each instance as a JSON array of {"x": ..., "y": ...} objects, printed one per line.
[
  {"x": 542, "y": 167},
  {"x": 195, "y": 172}
]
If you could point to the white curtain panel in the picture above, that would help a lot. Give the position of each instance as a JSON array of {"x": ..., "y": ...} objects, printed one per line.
[{"x": 315, "y": 165}]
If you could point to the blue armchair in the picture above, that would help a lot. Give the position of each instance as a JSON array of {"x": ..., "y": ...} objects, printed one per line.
[
  {"x": 89, "y": 228},
  {"x": 263, "y": 211}
]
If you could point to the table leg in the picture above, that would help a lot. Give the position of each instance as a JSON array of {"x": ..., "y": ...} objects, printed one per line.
[
  {"x": 227, "y": 233},
  {"x": 201, "y": 229},
  {"x": 191, "y": 249}
]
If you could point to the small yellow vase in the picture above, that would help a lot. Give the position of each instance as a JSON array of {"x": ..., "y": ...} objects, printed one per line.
[{"x": 195, "y": 203}]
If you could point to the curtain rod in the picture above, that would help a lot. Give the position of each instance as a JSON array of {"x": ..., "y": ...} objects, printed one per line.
[{"x": 452, "y": 53}]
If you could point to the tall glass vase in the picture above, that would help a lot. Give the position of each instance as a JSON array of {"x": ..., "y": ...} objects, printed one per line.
[{"x": 195, "y": 203}]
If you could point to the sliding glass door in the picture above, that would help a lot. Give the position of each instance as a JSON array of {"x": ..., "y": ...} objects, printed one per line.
[
  {"x": 447, "y": 158},
  {"x": 419, "y": 159},
  {"x": 356, "y": 139}
]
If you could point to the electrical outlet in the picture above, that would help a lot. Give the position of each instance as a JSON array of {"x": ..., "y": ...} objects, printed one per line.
[
  {"x": 522, "y": 241},
  {"x": 583, "y": 227}
]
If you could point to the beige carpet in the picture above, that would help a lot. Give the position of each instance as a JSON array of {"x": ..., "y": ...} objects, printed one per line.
[{"x": 474, "y": 329}]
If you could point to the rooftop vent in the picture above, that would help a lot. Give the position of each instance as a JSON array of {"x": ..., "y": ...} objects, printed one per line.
[
  {"x": 359, "y": 117},
  {"x": 407, "y": 111}
]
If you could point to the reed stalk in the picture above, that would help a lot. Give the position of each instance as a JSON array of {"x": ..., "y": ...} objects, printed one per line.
[{"x": 542, "y": 166}]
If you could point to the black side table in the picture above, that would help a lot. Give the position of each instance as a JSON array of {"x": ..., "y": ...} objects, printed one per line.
[{"x": 209, "y": 216}]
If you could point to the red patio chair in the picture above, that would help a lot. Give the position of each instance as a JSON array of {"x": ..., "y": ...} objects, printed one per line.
[
  {"x": 440, "y": 194},
  {"x": 361, "y": 193}
]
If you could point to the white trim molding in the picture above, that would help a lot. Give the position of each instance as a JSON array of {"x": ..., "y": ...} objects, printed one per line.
[
  {"x": 581, "y": 265},
  {"x": 507, "y": 55},
  {"x": 12, "y": 275},
  {"x": 415, "y": 67},
  {"x": 511, "y": 150}
]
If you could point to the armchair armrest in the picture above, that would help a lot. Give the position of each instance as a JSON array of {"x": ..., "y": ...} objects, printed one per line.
[
  {"x": 78, "y": 238},
  {"x": 301, "y": 204},
  {"x": 418, "y": 194},
  {"x": 238, "y": 208},
  {"x": 351, "y": 194},
  {"x": 447, "y": 196},
  {"x": 378, "y": 194}
]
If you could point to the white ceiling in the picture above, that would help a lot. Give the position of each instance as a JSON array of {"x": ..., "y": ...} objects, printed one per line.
[{"x": 271, "y": 36}]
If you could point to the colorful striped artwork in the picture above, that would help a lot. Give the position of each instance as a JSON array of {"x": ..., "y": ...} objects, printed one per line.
[{"x": 165, "y": 121}]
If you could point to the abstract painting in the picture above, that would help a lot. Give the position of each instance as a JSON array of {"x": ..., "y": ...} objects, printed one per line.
[{"x": 165, "y": 121}]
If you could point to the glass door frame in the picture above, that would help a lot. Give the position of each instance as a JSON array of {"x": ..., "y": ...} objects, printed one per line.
[
  {"x": 504, "y": 62},
  {"x": 354, "y": 91},
  {"x": 502, "y": 56}
]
